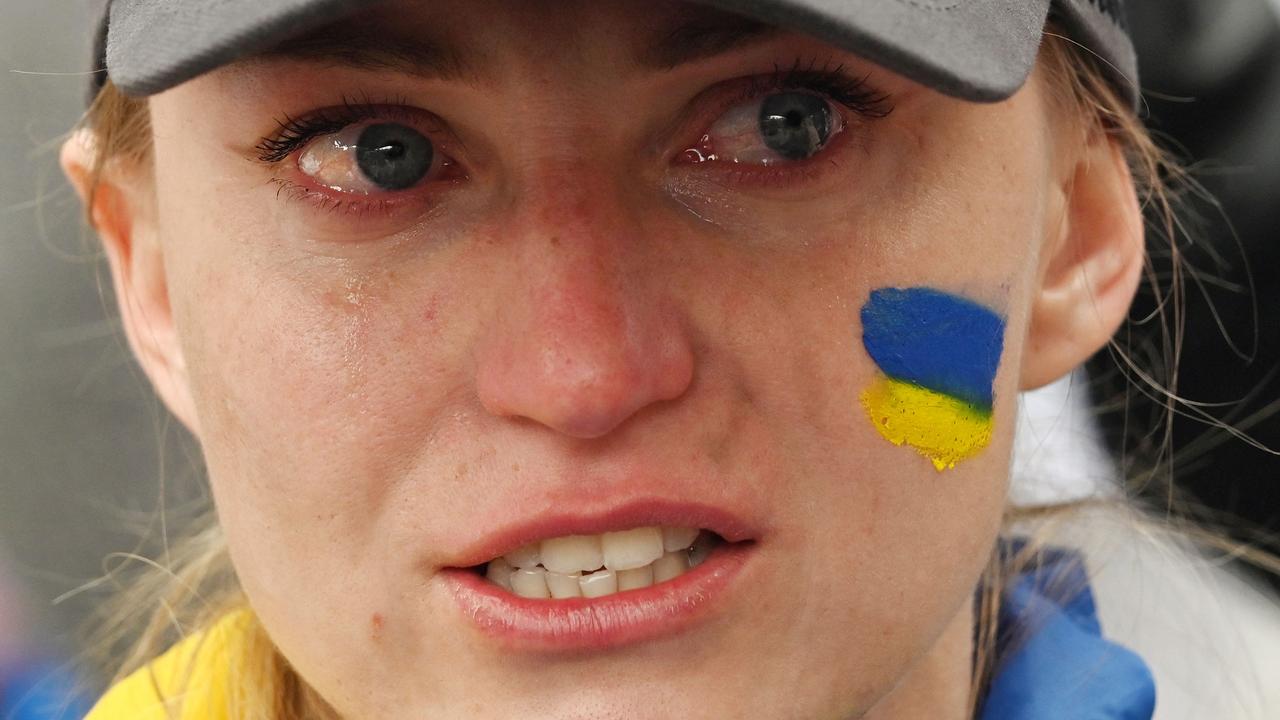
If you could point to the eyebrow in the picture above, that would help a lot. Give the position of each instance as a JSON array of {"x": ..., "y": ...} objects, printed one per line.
[
  {"x": 701, "y": 34},
  {"x": 364, "y": 46},
  {"x": 692, "y": 35}
]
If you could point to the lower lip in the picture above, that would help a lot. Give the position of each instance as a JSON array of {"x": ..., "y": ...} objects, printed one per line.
[{"x": 624, "y": 618}]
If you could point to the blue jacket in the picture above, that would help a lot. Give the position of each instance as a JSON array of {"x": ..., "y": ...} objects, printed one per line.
[{"x": 1052, "y": 662}]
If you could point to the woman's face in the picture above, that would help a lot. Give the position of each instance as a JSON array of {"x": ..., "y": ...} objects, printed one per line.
[{"x": 601, "y": 275}]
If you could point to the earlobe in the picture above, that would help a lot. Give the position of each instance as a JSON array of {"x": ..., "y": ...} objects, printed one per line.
[
  {"x": 1089, "y": 267},
  {"x": 121, "y": 210}
]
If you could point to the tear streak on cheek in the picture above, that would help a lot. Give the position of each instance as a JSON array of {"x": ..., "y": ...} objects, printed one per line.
[
  {"x": 348, "y": 308},
  {"x": 938, "y": 355}
]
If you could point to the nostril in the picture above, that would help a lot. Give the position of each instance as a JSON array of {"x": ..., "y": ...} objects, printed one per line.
[
  {"x": 594, "y": 418},
  {"x": 585, "y": 397}
]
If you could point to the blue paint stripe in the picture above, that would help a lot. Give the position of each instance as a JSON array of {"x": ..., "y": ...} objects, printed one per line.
[{"x": 939, "y": 341}]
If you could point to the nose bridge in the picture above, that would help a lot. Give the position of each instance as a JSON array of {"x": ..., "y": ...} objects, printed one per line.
[
  {"x": 585, "y": 340},
  {"x": 576, "y": 194},
  {"x": 572, "y": 230}
]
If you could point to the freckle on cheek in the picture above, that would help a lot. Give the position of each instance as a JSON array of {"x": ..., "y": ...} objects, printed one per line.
[{"x": 432, "y": 309}]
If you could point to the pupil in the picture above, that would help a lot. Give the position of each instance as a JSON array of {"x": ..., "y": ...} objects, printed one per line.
[
  {"x": 795, "y": 125},
  {"x": 393, "y": 157}
]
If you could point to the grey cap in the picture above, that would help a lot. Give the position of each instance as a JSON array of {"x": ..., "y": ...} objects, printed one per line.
[{"x": 980, "y": 50}]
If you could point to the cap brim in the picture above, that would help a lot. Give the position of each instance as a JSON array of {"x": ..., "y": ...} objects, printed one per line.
[
  {"x": 981, "y": 50},
  {"x": 154, "y": 45}
]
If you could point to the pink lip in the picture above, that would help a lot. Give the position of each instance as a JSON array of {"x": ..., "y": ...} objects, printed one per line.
[
  {"x": 587, "y": 624},
  {"x": 638, "y": 513},
  {"x": 619, "y": 619}
]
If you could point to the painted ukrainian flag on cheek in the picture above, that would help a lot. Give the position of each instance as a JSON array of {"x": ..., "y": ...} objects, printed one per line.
[{"x": 938, "y": 354}]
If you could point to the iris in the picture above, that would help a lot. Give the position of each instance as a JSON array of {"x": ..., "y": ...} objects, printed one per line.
[
  {"x": 392, "y": 156},
  {"x": 795, "y": 125}
]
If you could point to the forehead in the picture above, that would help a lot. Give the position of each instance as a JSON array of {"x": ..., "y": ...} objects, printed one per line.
[{"x": 470, "y": 40}]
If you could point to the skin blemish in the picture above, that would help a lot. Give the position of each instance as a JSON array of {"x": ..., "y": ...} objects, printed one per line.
[
  {"x": 376, "y": 623},
  {"x": 938, "y": 355}
]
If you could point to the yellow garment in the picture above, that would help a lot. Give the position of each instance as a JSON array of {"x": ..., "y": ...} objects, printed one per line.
[{"x": 188, "y": 682}]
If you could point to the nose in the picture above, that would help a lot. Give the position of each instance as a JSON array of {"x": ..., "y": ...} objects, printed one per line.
[{"x": 587, "y": 335}]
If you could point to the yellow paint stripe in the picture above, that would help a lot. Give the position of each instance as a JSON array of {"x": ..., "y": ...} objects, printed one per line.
[{"x": 938, "y": 426}]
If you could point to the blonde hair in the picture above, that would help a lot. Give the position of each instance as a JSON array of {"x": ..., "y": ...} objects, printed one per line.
[{"x": 198, "y": 585}]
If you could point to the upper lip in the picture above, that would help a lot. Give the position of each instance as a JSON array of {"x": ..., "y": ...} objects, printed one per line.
[{"x": 509, "y": 533}]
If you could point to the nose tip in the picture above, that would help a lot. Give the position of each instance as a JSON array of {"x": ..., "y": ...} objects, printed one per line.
[
  {"x": 589, "y": 396},
  {"x": 583, "y": 371}
]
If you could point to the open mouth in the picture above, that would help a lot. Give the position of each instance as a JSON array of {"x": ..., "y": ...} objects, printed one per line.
[
  {"x": 593, "y": 566},
  {"x": 595, "y": 579}
]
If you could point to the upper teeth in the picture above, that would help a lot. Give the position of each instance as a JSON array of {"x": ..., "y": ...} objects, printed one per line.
[{"x": 562, "y": 567}]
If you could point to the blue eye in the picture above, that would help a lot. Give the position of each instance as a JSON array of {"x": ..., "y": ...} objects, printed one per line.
[
  {"x": 795, "y": 125},
  {"x": 370, "y": 158},
  {"x": 393, "y": 157},
  {"x": 774, "y": 129}
]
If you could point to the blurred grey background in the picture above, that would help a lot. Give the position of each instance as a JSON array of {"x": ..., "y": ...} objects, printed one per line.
[
  {"x": 83, "y": 443},
  {"x": 88, "y": 456}
]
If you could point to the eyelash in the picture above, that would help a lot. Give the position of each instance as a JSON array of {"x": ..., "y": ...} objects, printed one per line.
[
  {"x": 854, "y": 93},
  {"x": 294, "y": 133}
]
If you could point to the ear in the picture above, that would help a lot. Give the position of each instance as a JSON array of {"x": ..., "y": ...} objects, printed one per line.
[
  {"x": 121, "y": 208},
  {"x": 1089, "y": 266}
]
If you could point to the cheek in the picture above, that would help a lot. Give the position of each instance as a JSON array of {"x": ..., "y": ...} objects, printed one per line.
[
  {"x": 873, "y": 536},
  {"x": 892, "y": 542},
  {"x": 315, "y": 380}
]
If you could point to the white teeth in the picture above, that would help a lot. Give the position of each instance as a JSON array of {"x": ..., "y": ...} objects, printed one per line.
[
  {"x": 597, "y": 565},
  {"x": 641, "y": 577},
  {"x": 499, "y": 571},
  {"x": 563, "y": 586},
  {"x": 670, "y": 566},
  {"x": 678, "y": 538},
  {"x": 575, "y": 553},
  {"x": 631, "y": 549},
  {"x": 530, "y": 583},
  {"x": 524, "y": 557},
  {"x": 599, "y": 584}
]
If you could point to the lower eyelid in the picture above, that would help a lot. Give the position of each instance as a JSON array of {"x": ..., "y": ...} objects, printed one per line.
[
  {"x": 788, "y": 173},
  {"x": 346, "y": 204},
  {"x": 775, "y": 178},
  {"x": 399, "y": 207}
]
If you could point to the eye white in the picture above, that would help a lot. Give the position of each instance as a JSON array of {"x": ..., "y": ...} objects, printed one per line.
[{"x": 330, "y": 160}]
